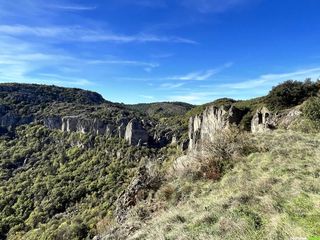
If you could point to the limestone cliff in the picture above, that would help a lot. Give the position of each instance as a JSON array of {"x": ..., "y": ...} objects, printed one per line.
[
  {"x": 203, "y": 127},
  {"x": 265, "y": 120},
  {"x": 11, "y": 120},
  {"x": 133, "y": 131},
  {"x": 136, "y": 134}
]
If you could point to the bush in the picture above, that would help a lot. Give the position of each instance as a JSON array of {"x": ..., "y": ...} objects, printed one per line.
[
  {"x": 311, "y": 109},
  {"x": 291, "y": 93},
  {"x": 220, "y": 154}
]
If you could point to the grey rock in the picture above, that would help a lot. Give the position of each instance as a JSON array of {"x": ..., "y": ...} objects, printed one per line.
[
  {"x": 136, "y": 134},
  {"x": 203, "y": 127},
  {"x": 264, "y": 120},
  {"x": 84, "y": 125},
  {"x": 11, "y": 120},
  {"x": 174, "y": 140},
  {"x": 53, "y": 122}
]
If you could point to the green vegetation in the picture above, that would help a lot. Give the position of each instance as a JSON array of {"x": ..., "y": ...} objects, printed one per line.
[
  {"x": 38, "y": 94},
  {"x": 273, "y": 193},
  {"x": 56, "y": 185},
  {"x": 311, "y": 109},
  {"x": 161, "y": 109},
  {"x": 291, "y": 93}
]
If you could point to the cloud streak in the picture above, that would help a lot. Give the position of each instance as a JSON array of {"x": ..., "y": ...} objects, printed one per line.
[
  {"x": 201, "y": 75},
  {"x": 202, "y": 6},
  {"x": 171, "y": 85},
  {"x": 214, "y": 6},
  {"x": 245, "y": 89},
  {"x": 22, "y": 61},
  {"x": 271, "y": 79},
  {"x": 125, "y": 62},
  {"x": 72, "y": 7},
  {"x": 141, "y": 38},
  {"x": 76, "y": 33}
]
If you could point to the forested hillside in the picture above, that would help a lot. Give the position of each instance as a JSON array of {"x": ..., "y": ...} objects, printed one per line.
[{"x": 75, "y": 166}]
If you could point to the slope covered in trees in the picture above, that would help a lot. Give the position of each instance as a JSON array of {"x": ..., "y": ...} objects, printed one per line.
[{"x": 66, "y": 185}]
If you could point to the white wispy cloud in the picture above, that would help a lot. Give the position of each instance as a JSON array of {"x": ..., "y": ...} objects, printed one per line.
[
  {"x": 215, "y": 6},
  {"x": 20, "y": 61},
  {"x": 72, "y": 7},
  {"x": 201, "y": 75},
  {"x": 140, "y": 38},
  {"x": 171, "y": 85},
  {"x": 245, "y": 89},
  {"x": 22, "y": 30},
  {"x": 76, "y": 33},
  {"x": 162, "y": 55},
  {"x": 195, "y": 76},
  {"x": 202, "y": 6},
  {"x": 275, "y": 78},
  {"x": 125, "y": 62},
  {"x": 64, "y": 80}
]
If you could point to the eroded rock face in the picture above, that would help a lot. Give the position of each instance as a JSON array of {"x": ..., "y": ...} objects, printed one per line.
[
  {"x": 136, "y": 134},
  {"x": 93, "y": 126},
  {"x": 264, "y": 120},
  {"x": 204, "y": 127},
  {"x": 79, "y": 124},
  {"x": 52, "y": 122},
  {"x": 134, "y": 131},
  {"x": 11, "y": 120}
]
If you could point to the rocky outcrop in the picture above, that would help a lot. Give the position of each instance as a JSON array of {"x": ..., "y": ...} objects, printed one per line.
[
  {"x": 162, "y": 138},
  {"x": 135, "y": 131},
  {"x": 11, "y": 120},
  {"x": 137, "y": 191},
  {"x": 264, "y": 120},
  {"x": 80, "y": 124},
  {"x": 84, "y": 125},
  {"x": 204, "y": 127},
  {"x": 53, "y": 122},
  {"x": 136, "y": 134}
]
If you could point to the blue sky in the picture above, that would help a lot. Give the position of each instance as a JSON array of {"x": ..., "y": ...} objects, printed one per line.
[{"x": 160, "y": 50}]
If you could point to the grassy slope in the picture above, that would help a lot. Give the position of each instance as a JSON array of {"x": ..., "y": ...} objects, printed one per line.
[{"x": 271, "y": 194}]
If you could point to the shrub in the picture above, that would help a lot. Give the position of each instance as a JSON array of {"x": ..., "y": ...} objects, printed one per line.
[
  {"x": 218, "y": 155},
  {"x": 311, "y": 109},
  {"x": 291, "y": 93}
]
